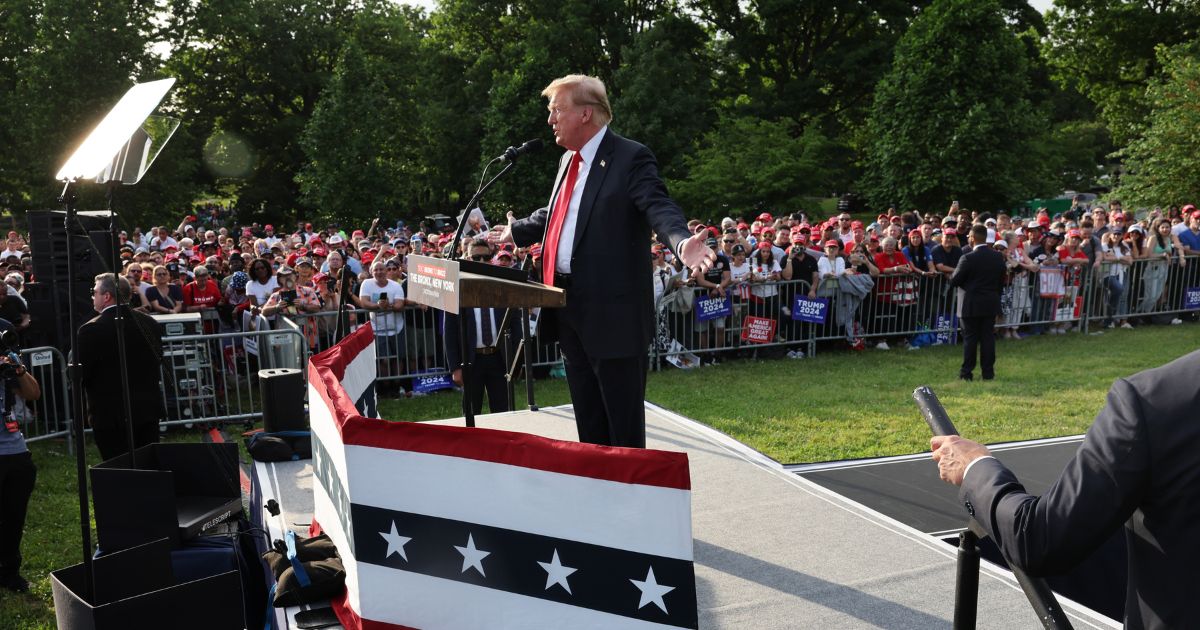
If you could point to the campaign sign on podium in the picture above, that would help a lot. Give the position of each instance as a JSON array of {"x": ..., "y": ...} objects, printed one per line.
[{"x": 433, "y": 282}]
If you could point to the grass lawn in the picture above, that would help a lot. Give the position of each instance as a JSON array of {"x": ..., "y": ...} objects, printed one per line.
[
  {"x": 835, "y": 406},
  {"x": 840, "y": 405}
]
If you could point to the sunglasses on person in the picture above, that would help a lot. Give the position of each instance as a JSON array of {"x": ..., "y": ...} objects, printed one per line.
[{"x": 480, "y": 257}]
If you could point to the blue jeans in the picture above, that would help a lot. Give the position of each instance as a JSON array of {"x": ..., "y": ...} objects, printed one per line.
[{"x": 1114, "y": 290}]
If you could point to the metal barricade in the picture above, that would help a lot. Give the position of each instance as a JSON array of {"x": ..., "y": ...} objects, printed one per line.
[
  {"x": 1148, "y": 290},
  {"x": 414, "y": 347},
  {"x": 49, "y": 416},
  {"x": 214, "y": 378},
  {"x": 898, "y": 305}
]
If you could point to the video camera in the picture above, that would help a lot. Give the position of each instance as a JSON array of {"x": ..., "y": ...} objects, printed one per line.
[{"x": 10, "y": 347}]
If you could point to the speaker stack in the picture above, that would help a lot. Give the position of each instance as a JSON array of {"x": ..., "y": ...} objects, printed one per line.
[
  {"x": 50, "y": 301},
  {"x": 283, "y": 393}
]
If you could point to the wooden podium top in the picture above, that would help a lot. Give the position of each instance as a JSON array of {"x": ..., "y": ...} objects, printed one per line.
[{"x": 440, "y": 283}]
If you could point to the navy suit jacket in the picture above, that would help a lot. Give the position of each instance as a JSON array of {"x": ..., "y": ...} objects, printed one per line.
[
  {"x": 980, "y": 273},
  {"x": 99, "y": 370},
  {"x": 450, "y": 333},
  {"x": 611, "y": 300},
  {"x": 1139, "y": 465}
]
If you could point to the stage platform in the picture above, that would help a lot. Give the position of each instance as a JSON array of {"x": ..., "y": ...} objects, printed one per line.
[{"x": 774, "y": 549}]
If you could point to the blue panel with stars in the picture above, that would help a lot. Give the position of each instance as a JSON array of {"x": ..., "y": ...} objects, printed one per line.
[{"x": 614, "y": 581}]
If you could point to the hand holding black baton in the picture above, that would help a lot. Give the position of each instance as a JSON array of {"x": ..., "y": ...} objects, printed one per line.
[{"x": 966, "y": 595}]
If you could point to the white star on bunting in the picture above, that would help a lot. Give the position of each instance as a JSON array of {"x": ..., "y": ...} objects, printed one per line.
[
  {"x": 472, "y": 557},
  {"x": 556, "y": 573},
  {"x": 395, "y": 543},
  {"x": 652, "y": 591}
]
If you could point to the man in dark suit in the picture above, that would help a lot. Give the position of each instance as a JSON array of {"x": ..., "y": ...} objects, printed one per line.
[
  {"x": 1139, "y": 465},
  {"x": 606, "y": 202},
  {"x": 980, "y": 274},
  {"x": 485, "y": 348},
  {"x": 102, "y": 378}
]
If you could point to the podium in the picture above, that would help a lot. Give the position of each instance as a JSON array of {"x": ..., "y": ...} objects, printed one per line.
[{"x": 455, "y": 285}]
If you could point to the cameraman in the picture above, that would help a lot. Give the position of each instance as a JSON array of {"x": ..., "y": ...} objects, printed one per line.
[
  {"x": 291, "y": 299},
  {"x": 17, "y": 472}
]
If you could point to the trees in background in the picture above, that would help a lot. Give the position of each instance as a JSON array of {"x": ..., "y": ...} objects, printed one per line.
[
  {"x": 349, "y": 110},
  {"x": 1164, "y": 161},
  {"x": 953, "y": 118}
]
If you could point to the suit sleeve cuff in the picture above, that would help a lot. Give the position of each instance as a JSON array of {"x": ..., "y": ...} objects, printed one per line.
[{"x": 975, "y": 461}]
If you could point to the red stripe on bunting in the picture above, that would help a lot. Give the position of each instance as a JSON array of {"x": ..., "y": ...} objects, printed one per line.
[
  {"x": 623, "y": 465},
  {"x": 351, "y": 620}
]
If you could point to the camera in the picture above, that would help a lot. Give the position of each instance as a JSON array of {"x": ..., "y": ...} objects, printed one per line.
[
  {"x": 10, "y": 347},
  {"x": 288, "y": 296}
]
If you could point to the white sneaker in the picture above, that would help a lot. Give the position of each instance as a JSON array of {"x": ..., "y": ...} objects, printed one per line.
[
  {"x": 1176, "y": 321},
  {"x": 1127, "y": 325},
  {"x": 882, "y": 345},
  {"x": 795, "y": 354},
  {"x": 912, "y": 347}
]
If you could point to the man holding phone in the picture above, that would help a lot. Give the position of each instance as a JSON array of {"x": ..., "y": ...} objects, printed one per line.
[{"x": 384, "y": 298}]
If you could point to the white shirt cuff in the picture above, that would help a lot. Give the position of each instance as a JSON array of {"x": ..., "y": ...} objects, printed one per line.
[{"x": 975, "y": 461}]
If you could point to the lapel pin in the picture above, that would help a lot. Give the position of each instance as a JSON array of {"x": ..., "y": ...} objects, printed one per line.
[{"x": 602, "y": 164}]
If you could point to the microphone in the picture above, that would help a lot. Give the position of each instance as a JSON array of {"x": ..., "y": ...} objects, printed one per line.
[{"x": 512, "y": 153}]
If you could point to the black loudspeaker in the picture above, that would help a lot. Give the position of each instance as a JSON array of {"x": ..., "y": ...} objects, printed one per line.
[
  {"x": 136, "y": 588},
  {"x": 93, "y": 249},
  {"x": 282, "y": 391},
  {"x": 178, "y": 492}
]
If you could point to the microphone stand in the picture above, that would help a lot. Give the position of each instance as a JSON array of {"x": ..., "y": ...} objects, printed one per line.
[
  {"x": 522, "y": 351},
  {"x": 343, "y": 317},
  {"x": 455, "y": 253}
]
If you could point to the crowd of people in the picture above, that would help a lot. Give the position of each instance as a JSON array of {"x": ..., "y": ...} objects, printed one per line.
[{"x": 898, "y": 265}]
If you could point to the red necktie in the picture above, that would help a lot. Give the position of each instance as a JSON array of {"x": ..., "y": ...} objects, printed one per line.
[{"x": 557, "y": 217}]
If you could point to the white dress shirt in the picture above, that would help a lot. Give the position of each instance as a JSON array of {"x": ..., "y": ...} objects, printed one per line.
[
  {"x": 566, "y": 239},
  {"x": 480, "y": 313}
]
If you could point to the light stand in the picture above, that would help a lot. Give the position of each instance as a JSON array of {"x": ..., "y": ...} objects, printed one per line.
[
  {"x": 119, "y": 150},
  {"x": 68, "y": 198}
]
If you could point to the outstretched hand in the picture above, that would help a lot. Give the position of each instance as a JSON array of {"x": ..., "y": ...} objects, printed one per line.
[
  {"x": 501, "y": 233},
  {"x": 697, "y": 256}
]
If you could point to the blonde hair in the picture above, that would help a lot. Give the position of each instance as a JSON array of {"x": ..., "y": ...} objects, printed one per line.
[{"x": 585, "y": 90}]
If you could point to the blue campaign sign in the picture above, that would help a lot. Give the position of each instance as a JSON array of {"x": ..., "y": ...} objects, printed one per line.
[
  {"x": 712, "y": 308},
  {"x": 813, "y": 310},
  {"x": 947, "y": 329},
  {"x": 1191, "y": 298},
  {"x": 426, "y": 383}
]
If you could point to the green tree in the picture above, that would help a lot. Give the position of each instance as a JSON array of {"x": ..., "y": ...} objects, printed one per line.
[
  {"x": 804, "y": 60},
  {"x": 362, "y": 158},
  {"x": 1106, "y": 48},
  {"x": 48, "y": 107},
  {"x": 952, "y": 119},
  {"x": 251, "y": 73},
  {"x": 1162, "y": 163},
  {"x": 747, "y": 163},
  {"x": 666, "y": 99},
  {"x": 517, "y": 48}
]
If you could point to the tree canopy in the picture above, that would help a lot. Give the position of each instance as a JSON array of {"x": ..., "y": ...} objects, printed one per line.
[
  {"x": 953, "y": 119},
  {"x": 347, "y": 110},
  {"x": 1164, "y": 162}
]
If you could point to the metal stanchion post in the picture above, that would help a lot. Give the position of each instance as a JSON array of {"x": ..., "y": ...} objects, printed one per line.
[{"x": 966, "y": 587}]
